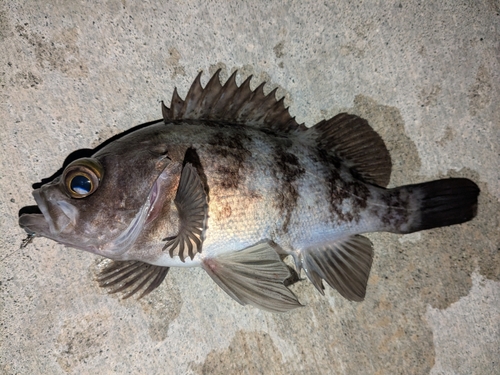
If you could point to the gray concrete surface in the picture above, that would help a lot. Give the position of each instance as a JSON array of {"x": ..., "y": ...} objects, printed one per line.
[{"x": 426, "y": 76}]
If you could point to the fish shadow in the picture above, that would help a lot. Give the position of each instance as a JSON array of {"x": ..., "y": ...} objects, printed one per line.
[{"x": 78, "y": 154}]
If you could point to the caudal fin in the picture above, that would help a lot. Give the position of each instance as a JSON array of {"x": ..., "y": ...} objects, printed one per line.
[{"x": 443, "y": 202}]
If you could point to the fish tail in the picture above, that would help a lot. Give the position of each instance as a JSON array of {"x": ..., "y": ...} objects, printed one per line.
[{"x": 437, "y": 204}]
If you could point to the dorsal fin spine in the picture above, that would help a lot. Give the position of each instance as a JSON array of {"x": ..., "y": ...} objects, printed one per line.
[
  {"x": 213, "y": 86},
  {"x": 227, "y": 90},
  {"x": 176, "y": 104},
  {"x": 277, "y": 109},
  {"x": 249, "y": 106},
  {"x": 191, "y": 100},
  {"x": 244, "y": 95},
  {"x": 259, "y": 98},
  {"x": 165, "y": 111}
]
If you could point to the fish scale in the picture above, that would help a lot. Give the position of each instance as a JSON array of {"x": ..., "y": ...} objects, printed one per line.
[{"x": 230, "y": 182}]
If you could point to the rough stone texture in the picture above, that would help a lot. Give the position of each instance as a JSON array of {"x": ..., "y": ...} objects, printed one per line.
[{"x": 425, "y": 75}]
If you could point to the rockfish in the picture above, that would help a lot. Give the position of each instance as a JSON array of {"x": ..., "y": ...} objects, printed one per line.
[{"x": 230, "y": 182}]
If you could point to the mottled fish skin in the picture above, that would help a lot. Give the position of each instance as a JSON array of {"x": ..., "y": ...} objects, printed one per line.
[
  {"x": 230, "y": 182},
  {"x": 261, "y": 186}
]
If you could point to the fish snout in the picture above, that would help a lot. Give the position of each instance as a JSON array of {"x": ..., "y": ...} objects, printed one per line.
[{"x": 58, "y": 214}]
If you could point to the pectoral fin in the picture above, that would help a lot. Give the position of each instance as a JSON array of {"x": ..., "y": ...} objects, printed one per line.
[
  {"x": 344, "y": 264},
  {"x": 130, "y": 277},
  {"x": 254, "y": 276},
  {"x": 192, "y": 207}
]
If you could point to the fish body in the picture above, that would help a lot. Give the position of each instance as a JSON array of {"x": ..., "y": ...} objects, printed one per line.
[{"x": 228, "y": 181}]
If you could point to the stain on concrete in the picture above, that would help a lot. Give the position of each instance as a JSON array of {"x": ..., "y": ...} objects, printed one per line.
[
  {"x": 173, "y": 60},
  {"x": 26, "y": 80},
  {"x": 480, "y": 92},
  {"x": 448, "y": 136},
  {"x": 60, "y": 52},
  {"x": 248, "y": 353},
  {"x": 358, "y": 40},
  {"x": 439, "y": 272},
  {"x": 80, "y": 340},
  {"x": 479, "y": 311},
  {"x": 279, "y": 49},
  {"x": 114, "y": 6},
  {"x": 494, "y": 6},
  {"x": 352, "y": 49},
  {"x": 161, "y": 308},
  {"x": 345, "y": 343},
  {"x": 5, "y": 28},
  {"x": 428, "y": 96}
]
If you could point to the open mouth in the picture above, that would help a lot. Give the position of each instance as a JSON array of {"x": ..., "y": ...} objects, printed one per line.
[
  {"x": 33, "y": 222},
  {"x": 47, "y": 219},
  {"x": 29, "y": 210},
  {"x": 30, "y": 218}
]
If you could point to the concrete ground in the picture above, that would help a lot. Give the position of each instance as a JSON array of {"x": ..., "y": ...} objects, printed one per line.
[{"x": 424, "y": 74}]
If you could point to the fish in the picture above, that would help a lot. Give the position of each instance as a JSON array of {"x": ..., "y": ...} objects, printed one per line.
[{"x": 229, "y": 181}]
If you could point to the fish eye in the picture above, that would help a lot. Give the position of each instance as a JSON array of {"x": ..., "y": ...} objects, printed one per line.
[
  {"x": 82, "y": 177},
  {"x": 81, "y": 184}
]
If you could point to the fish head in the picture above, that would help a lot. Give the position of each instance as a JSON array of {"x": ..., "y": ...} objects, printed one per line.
[{"x": 103, "y": 204}]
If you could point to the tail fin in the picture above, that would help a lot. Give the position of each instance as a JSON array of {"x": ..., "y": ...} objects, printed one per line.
[{"x": 443, "y": 202}]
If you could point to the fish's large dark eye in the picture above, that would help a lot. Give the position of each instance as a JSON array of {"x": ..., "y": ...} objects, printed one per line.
[
  {"x": 80, "y": 184},
  {"x": 82, "y": 177}
]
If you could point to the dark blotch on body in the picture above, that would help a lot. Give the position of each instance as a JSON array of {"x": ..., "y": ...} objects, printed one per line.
[
  {"x": 341, "y": 189},
  {"x": 233, "y": 154},
  {"x": 395, "y": 214},
  {"x": 231, "y": 175},
  {"x": 288, "y": 171}
]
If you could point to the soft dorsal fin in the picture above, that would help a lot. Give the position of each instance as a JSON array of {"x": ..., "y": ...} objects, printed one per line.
[
  {"x": 353, "y": 140},
  {"x": 231, "y": 103}
]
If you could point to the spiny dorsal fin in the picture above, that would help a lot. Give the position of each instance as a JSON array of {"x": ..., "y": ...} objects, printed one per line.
[
  {"x": 231, "y": 103},
  {"x": 131, "y": 276},
  {"x": 191, "y": 203},
  {"x": 355, "y": 142}
]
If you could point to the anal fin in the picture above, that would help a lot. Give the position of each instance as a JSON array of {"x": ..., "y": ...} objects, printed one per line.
[
  {"x": 130, "y": 277},
  {"x": 254, "y": 276},
  {"x": 344, "y": 264}
]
